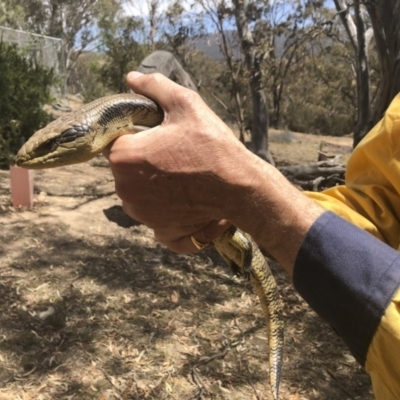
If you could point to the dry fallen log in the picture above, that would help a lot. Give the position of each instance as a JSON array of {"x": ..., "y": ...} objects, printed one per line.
[
  {"x": 310, "y": 172},
  {"x": 319, "y": 183},
  {"x": 316, "y": 176}
]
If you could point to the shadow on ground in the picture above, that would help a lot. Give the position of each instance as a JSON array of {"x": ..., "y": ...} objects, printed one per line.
[{"x": 129, "y": 319}]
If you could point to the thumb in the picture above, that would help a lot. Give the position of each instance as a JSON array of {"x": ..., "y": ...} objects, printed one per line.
[{"x": 155, "y": 86}]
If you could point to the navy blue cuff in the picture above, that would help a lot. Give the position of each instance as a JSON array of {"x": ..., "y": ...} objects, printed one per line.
[{"x": 348, "y": 277}]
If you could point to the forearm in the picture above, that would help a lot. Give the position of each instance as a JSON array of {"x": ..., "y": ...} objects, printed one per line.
[{"x": 272, "y": 210}]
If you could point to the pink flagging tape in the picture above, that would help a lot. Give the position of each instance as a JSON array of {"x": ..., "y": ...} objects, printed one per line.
[{"x": 21, "y": 187}]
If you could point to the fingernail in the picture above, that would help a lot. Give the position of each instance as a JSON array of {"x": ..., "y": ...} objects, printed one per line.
[{"x": 133, "y": 75}]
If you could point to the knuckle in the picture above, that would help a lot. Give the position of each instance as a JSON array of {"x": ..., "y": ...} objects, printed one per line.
[
  {"x": 115, "y": 159},
  {"x": 186, "y": 98},
  {"x": 204, "y": 236},
  {"x": 150, "y": 80},
  {"x": 155, "y": 78}
]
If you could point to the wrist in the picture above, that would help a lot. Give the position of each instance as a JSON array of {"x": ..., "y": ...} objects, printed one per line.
[{"x": 267, "y": 206}]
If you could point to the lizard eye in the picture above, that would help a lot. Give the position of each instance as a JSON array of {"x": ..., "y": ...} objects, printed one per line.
[
  {"x": 73, "y": 133},
  {"x": 69, "y": 135}
]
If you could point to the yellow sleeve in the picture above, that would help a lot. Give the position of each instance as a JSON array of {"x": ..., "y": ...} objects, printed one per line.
[
  {"x": 370, "y": 199},
  {"x": 383, "y": 357}
]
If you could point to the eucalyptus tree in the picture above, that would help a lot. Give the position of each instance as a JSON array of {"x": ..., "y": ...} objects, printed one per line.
[
  {"x": 355, "y": 20},
  {"x": 12, "y": 15},
  {"x": 245, "y": 63},
  {"x": 253, "y": 58},
  {"x": 218, "y": 16},
  {"x": 385, "y": 20},
  {"x": 364, "y": 21},
  {"x": 73, "y": 21},
  {"x": 120, "y": 40},
  {"x": 288, "y": 31},
  {"x": 272, "y": 36}
]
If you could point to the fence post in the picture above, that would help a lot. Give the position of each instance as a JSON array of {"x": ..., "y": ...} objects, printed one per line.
[{"x": 21, "y": 187}]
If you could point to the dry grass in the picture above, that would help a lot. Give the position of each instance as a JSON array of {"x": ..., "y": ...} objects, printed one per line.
[
  {"x": 134, "y": 321},
  {"x": 290, "y": 148}
]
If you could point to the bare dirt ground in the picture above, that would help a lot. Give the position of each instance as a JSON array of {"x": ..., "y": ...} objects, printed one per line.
[{"x": 93, "y": 308}]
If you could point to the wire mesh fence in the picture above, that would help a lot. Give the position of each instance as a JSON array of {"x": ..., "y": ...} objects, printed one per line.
[{"x": 42, "y": 50}]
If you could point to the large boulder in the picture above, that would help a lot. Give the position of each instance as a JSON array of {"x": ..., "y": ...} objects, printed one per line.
[{"x": 165, "y": 63}]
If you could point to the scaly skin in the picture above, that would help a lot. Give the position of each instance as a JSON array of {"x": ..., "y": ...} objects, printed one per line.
[
  {"x": 245, "y": 258},
  {"x": 84, "y": 133}
]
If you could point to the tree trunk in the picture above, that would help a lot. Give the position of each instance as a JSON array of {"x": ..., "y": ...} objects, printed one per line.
[
  {"x": 363, "y": 86},
  {"x": 385, "y": 20},
  {"x": 259, "y": 128},
  {"x": 235, "y": 86},
  {"x": 358, "y": 39}
]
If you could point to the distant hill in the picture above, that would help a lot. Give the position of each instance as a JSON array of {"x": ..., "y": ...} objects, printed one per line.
[{"x": 210, "y": 44}]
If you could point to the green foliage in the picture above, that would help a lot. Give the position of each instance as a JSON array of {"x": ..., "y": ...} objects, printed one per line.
[
  {"x": 24, "y": 89},
  {"x": 123, "y": 54},
  {"x": 89, "y": 68},
  {"x": 319, "y": 93},
  {"x": 121, "y": 45},
  {"x": 11, "y": 15},
  {"x": 306, "y": 59},
  {"x": 212, "y": 76}
]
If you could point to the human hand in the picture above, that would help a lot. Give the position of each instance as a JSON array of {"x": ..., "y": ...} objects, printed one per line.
[
  {"x": 191, "y": 176},
  {"x": 180, "y": 178}
]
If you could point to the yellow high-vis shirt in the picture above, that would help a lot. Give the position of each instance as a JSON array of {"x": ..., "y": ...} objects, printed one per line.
[{"x": 370, "y": 199}]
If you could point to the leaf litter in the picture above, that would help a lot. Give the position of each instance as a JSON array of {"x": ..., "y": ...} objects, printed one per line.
[{"x": 93, "y": 308}]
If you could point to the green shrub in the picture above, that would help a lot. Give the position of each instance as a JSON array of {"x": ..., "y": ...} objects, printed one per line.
[{"x": 24, "y": 89}]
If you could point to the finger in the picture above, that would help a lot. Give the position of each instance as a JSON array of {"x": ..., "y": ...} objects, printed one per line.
[
  {"x": 133, "y": 75},
  {"x": 170, "y": 234},
  {"x": 211, "y": 231},
  {"x": 184, "y": 244},
  {"x": 202, "y": 232},
  {"x": 131, "y": 142},
  {"x": 159, "y": 88},
  {"x": 106, "y": 151},
  {"x": 156, "y": 86}
]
